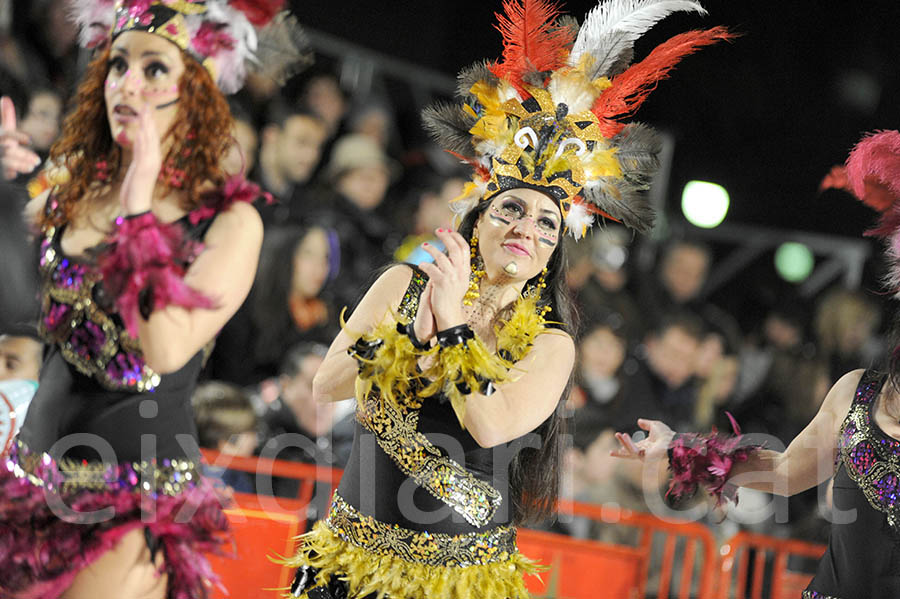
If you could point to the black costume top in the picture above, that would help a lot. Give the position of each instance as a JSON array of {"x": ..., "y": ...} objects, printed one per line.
[
  {"x": 94, "y": 380},
  {"x": 863, "y": 556},
  {"x": 422, "y": 511}
]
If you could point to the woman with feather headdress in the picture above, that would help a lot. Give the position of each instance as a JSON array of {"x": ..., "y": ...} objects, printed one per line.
[
  {"x": 147, "y": 249},
  {"x": 459, "y": 366},
  {"x": 854, "y": 438}
]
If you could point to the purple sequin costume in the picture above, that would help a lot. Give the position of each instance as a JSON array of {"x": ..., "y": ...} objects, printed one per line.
[
  {"x": 108, "y": 445},
  {"x": 863, "y": 556}
]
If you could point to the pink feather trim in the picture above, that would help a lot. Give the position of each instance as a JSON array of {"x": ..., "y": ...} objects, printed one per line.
[
  {"x": 145, "y": 266},
  {"x": 40, "y": 554},
  {"x": 706, "y": 460},
  {"x": 873, "y": 169}
]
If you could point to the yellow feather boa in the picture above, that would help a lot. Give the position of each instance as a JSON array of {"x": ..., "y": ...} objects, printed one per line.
[
  {"x": 388, "y": 575},
  {"x": 393, "y": 369}
]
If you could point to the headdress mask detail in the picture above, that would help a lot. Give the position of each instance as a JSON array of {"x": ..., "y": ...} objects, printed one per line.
[
  {"x": 546, "y": 116},
  {"x": 225, "y": 36}
]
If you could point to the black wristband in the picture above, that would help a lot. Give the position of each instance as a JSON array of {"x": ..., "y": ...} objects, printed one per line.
[
  {"x": 363, "y": 351},
  {"x": 408, "y": 329},
  {"x": 136, "y": 215},
  {"x": 455, "y": 335}
]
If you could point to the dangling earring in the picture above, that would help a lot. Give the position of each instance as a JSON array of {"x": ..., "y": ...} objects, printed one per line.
[
  {"x": 537, "y": 290},
  {"x": 477, "y": 273}
]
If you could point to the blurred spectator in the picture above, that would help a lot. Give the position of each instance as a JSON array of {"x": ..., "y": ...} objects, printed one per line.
[
  {"x": 433, "y": 211},
  {"x": 598, "y": 275},
  {"x": 360, "y": 173},
  {"x": 18, "y": 260},
  {"x": 47, "y": 44},
  {"x": 374, "y": 120},
  {"x": 242, "y": 155},
  {"x": 323, "y": 94},
  {"x": 717, "y": 368},
  {"x": 284, "y": 307},
  {"x": 42, "y": 119},
  {"x": 597, "y": 400},
  {"x": 659, "y": 382},
  {"x": 298, "y": 428},
  {"x": 227, "y": 423},
  {"x": 290, "y": 150},
  {"x": 682, "y": 273},
  {"x": 21, "y": 355},
  {"x": 845, "y": 325}
]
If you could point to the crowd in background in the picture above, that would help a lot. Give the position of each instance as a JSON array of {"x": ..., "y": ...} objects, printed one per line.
[{"x": 351, "y": 195}]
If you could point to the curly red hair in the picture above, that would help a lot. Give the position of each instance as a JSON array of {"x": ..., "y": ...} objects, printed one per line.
[{"x": 200, "y": 137}]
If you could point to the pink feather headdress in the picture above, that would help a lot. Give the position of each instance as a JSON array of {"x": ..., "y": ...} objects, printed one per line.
[
  {"x": 873, "y": 175},
  {"x": 226, "y": 36}
]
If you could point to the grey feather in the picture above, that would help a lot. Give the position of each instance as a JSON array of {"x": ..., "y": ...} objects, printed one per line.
[
  {"x": 637, "y": 150},
  {"x": 283, "y": 49},
  {"x": 623, "y": 201},
  {"x": 449, "y": 126},
  {"x": 471, "y": 75},
  {"x": 619, "y": 64}
]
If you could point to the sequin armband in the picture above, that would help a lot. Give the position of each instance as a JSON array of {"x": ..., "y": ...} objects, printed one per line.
[
  {"x": 706, "y": 460},
  {"x": 144, "y": 265}
]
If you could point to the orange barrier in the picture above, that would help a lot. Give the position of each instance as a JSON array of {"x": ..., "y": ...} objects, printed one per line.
[
  {"x": 575, "y": 564},
  {"x": 785, "y": 583}
]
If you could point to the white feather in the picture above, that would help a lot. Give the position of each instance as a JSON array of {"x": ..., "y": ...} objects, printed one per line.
[
  {"x": 612, "y": 27},
  {"x": 572, "y": 89},
  {"x": 578, "y": 220},
  {"x": 93, "y": 17}
]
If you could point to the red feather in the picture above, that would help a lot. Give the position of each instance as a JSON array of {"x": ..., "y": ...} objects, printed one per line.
[
  {"x": 631, "y": 88},
  {"x": 531, "y": 41},
  {"x": 873, "y": 169},
  {"x": 480, "y": 169},
  {"x": 258, "y": 12}
]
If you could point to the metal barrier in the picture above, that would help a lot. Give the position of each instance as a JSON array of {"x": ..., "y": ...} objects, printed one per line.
[{"x": 784, "y": 583}]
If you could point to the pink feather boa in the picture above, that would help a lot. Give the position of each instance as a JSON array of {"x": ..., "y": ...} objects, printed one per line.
[
  {"x": 875, "y": 162},
  {"x": 147, "y": 260},
  {"x": 706, "y": 459},
  {"x": 40, "y": 554}
]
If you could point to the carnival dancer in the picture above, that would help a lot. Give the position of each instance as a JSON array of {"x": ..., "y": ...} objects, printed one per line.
[
  {"x": 854, "y": 437},
  {"x": 459, "y": 367},
  {"x": 148, "y": 247}
]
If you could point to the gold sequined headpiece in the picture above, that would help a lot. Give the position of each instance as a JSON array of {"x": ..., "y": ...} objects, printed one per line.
[
  {"x": 546, "y": 116},
  {"x": 222, "y": 35}
]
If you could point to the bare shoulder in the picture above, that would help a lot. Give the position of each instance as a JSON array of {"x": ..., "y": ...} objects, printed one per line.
[
  {"x": 841, "y": 394},
  {"x": 556, "y": 343},
  {"x": 239, "y": 224}
]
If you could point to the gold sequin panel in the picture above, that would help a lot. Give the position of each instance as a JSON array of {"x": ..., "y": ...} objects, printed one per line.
[{"x": 365, "y": 532}]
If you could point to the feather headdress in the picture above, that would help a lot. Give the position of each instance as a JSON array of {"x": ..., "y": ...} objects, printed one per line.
[
  {"x": 226, "y": 36},
  {"x": 546, "y": 115},
  {"x": 873, "y": 174}
]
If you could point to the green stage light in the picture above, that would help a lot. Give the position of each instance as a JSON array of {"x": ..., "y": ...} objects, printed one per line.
[
  {"x": 704, "y": 204},
  {"x": 794, "y": 261}
]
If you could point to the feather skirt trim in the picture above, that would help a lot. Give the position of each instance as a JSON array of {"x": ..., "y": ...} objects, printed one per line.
[
  {"x": 387, "y": 575},
  {"x": 41, "y": 553}
]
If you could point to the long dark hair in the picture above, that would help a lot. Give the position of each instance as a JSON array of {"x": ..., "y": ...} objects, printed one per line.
[
  {"x": 534, "y": 473},
  {"x": 269, "y": 300}
]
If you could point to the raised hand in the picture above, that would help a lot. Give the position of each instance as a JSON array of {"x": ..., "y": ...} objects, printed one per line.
[
  {"x": 449, "y": 277},
  {"x": 654, "y": 447},
  {"x": 425, "y": 327},
  {"x": 15, "y": 157},
  {"x": 146, "y": 160}
]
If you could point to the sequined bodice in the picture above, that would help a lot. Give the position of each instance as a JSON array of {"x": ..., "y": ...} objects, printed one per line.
[
  {"x": 871, "y": 457},
  {"x": 77, "y": 316}
]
